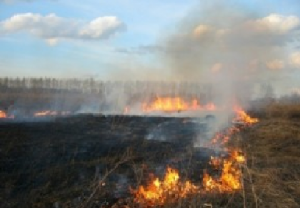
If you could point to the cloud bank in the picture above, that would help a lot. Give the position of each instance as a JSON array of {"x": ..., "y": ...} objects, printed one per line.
[{"x": 53, "y": 28}]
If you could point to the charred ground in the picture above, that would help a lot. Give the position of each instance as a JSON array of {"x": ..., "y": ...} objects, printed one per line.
[
  {"x": 58, "y": 160},
  {"x": 61, "y": 163}
]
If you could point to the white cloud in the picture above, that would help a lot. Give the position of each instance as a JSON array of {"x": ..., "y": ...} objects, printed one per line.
[
  {"x": 295, "y": 59},
  {"x": 201, "y": 30},
  {"x": 52, "y": 41},
  {"x": 277, "y": 23},
  {"x": 53, "y": 28},
  {"x": 273, "y": 29},
  {"x": 101, "y": 27}
]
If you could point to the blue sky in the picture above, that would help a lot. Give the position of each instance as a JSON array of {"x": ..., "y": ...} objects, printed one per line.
[
  {"x": 25, "y": 55},
  {"x": 113, "y": 48}
]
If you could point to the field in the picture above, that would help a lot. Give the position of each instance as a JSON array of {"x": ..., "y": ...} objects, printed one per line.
[
  {"x": 272, "y": 149},
  {"x": 93, "y": 160}
]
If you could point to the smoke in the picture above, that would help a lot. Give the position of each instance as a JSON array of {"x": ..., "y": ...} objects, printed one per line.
[
  {"x": 224, "y": 43},
  {"x": 231, "y": 47}
]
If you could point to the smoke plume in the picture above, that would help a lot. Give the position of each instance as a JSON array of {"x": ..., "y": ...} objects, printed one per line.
[{"x": 230, "y": 46}]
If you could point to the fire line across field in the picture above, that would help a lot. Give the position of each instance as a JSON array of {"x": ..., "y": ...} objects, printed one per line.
[{"x": 67, "y": 153}]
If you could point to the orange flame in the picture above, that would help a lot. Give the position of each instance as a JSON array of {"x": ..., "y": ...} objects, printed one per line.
[
  {"x": 45, "y": 113},
  {"x": 157, "y": 192},
  {"x": 215, "y": 162},
  {"x": 230, "y": 179},
  {"x": 169, "y": 104},
  {"x": 50, "y": 113},
  {"x": 3, "y": 114},
  {"x": 242, "y": 116}
]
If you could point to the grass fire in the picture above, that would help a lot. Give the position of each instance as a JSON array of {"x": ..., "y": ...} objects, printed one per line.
[
  {"x": 169, "y": 104},
  {"x": 149, "y": 104},
  {"x": 141, "y": 160}
]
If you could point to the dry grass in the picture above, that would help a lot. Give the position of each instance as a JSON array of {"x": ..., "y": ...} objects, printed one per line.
[
  {"x": 273, "y": 152},
  {"x": 271, "y": 176}
]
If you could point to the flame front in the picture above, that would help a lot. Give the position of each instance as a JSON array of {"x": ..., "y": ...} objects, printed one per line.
[
  {"x": 242, "y": 116},
  {"x": 158, "y": 192},
  {"x": 169, "y": 104},
  {"x": 51, "y": 113},
  {"x": 230, "y": 179}
]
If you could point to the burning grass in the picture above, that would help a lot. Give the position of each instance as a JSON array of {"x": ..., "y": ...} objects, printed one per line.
[
  {"x": 158, "y": 192},
  {"x": 261, "y": 167},
  {"x": 169, "y": 104}
]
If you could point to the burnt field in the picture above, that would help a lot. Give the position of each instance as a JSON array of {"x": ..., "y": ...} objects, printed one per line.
[
  {"x": 59, "y": 161},
  {"x": 101, "y": 161}
]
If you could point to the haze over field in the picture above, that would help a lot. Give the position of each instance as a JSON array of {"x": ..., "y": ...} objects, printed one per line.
[{"x": 215, "y": 41}]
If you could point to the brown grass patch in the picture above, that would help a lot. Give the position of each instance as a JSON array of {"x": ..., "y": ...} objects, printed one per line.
[{"x": 273, "y": 150}]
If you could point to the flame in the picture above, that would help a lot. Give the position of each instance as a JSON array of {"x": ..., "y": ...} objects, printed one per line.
[
  {"x": 158, "y": 191},
  {"x": 51, "y": 113},
  {"x": 242, "y": 116},
  {"x": 169, "y": 104},
  {"x": 210, "y": 106},
  {"x": 215, "y": 162},
  {"x": 3, "y": 114},
  {"x": 238, "y": 156},
  {"x": 126, "y": 110},
  {"x": 230, "y": 179},
  {"x": 45, "y": 113}
]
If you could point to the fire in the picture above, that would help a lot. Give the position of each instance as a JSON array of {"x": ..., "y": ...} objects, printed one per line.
[
  {"x": 170, "y": 104},
  {"x": 215, "y": 162},
  {"x": 126, "y": 110},
  {"x": 242, "y": 116},
  {"x": 3, "y": 114},
  {"x": 238, "y": 156},
  {"x": 230, "y": 179},
  {"x": 51, "y": 113},
  {"x": 159, "y": 191},
  {"x": 45, "y": 113}
]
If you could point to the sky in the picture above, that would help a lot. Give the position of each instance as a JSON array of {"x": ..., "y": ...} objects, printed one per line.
[
  {"x": 30, "y": 50},
  {"x": 159, "y": 40}
]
